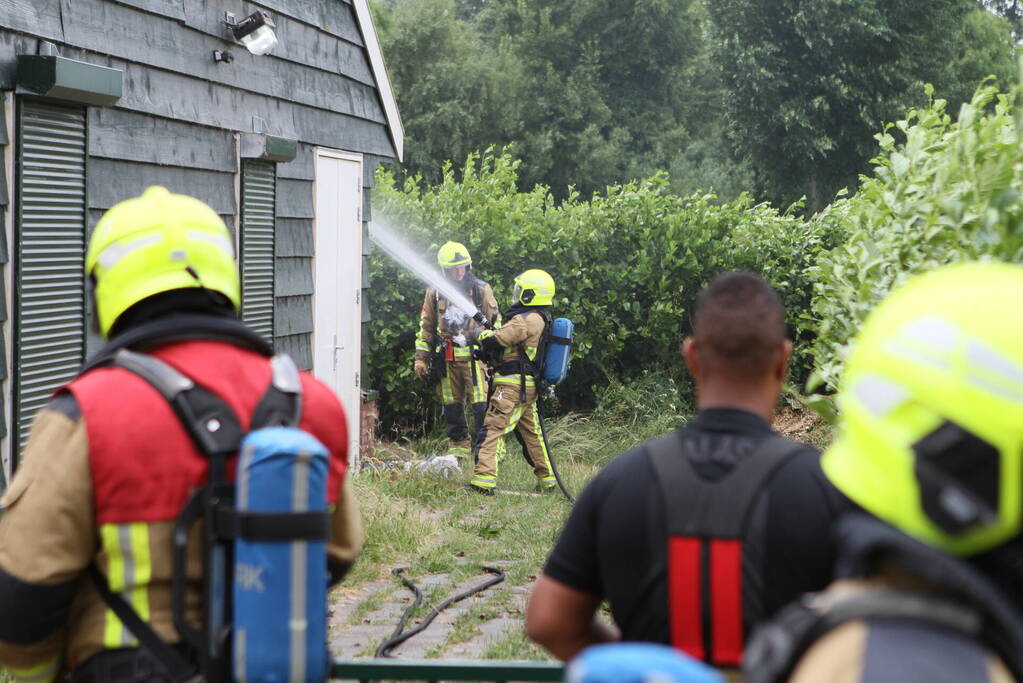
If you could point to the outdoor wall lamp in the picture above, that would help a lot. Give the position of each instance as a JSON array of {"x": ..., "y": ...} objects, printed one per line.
[{"x": 255, "y": 32}]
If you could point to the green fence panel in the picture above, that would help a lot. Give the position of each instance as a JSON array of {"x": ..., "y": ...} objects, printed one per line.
[{"x": 441, "y": 670}]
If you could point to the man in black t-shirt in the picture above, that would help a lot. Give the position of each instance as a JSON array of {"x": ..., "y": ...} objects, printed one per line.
[{"x": 695, "y": 537}]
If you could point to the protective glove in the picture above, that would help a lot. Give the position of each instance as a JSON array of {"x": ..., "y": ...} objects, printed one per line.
[
  {"x": 481, "y": 333},
  {"x": 419, "y": 367}
]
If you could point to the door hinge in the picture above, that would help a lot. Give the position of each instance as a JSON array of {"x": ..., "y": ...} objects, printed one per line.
[
  {"x": 358, "y": 296},
  {"x": 356, "y": 380}
]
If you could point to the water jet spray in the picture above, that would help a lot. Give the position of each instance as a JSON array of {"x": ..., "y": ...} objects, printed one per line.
[{"x": 402, "y": 254}]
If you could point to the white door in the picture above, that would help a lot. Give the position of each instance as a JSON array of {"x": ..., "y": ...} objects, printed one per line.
[{"x": 337, "y": 268}]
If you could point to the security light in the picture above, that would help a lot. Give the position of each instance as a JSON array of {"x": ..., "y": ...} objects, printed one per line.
[{"x": 256, "y": 33}]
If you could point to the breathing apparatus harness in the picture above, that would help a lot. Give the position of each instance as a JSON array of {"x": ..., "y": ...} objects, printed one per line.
[
  {"x": 216, "y": 432},
  {"x": 492, "y": 354}
]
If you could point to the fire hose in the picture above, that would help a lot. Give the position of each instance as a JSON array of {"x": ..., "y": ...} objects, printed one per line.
[{"x": 400, "y": 635}]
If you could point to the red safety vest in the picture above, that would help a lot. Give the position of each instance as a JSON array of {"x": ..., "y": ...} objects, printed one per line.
[
  {"x": 706, "y": 524},
  {"x": 144, "y": 465}
]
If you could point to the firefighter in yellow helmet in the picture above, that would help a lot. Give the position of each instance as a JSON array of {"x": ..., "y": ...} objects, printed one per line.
[
  {"x": 930, "y": 587},
  {"x": 513, "y": 350},
  {"x": 444, "y": 347},
  {"x": 108, "y": 466}
]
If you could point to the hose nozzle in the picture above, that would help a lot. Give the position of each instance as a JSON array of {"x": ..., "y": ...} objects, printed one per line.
[{"x": 482, "y": 320}]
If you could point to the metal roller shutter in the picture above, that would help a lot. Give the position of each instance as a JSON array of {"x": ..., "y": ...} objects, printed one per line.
[
  {"x": 50, "y": 286},
  {"x": 259, "y": 184}
]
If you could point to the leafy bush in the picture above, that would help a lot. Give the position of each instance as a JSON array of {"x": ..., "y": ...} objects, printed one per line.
[
  {"x": 630, "y": 261},
  {"x": 628, "y": 265},
  {"x": 943, "y": 191}
]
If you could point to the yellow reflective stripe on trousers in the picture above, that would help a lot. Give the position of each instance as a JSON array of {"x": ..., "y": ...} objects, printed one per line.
[
  {"x": 479, "y": 389},
  {"x": 462, "y": 352},
  {"x": 129, "y": 571},
  {"x": 41, "y": 673},
  {"x": 447, "y": 394},
  {"x": 543, "y": 444}
]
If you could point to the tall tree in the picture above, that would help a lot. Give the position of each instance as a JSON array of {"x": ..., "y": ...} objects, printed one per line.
[
  {"x": 1011, "y": 10},
  {"x": 588, "y": 92},
  {"x": 808, "y": 84},
  {"x": 604, "y": 79},
  {"x": 456, "y": 94}
]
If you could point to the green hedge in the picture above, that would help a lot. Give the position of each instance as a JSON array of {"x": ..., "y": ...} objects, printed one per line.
[
  {"x": 944, "y": 190},
  {"x": 628, "y": 265},
  {"x": 629, "y": 262}
]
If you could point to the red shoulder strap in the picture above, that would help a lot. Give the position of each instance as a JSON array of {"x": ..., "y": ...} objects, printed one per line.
[
  {"x": 726, "y": 601},
  {"x": 689, "y": 587},
  {"x": 685, "y": 602}
]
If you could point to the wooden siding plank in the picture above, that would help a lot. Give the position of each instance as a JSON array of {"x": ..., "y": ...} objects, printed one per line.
[
  {"x": 294, "y": 237},
  {"x": 302, "y": 167},
  {"x": 332, "y": 17},
  {"x": 179, "y": 97},
  {"x": 293, "y": 276},
  {"x": 369, "y": 168},
  {"x": 173, "y": 96},
  {"x": 299, "y": 42},
  {"x": 39, "y": 18},
  {"x": 293, "y": 315},
  {"x": 130, "y": 136},
  {"x": 175, "y": 9},
  {"x": 298, "y": 346},
  {"x": 295, "y": 199},
  {"x": 124, "y": 32},
  {"x": 336, "y": 18},
  {"x": 11, "y": 45},
  {"x": 113, "y": 181},
  {"x": 367, "y": 207}
]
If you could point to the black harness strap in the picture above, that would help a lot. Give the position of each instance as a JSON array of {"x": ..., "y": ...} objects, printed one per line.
[
  {"x": 523, "y": 365},
  {"x": 171, "y": 660},
  {"x": 697, "y": 507},
  {"x": 702, "y": 541},
  {"x": 281, "y": 404},
  {"x": 217, "y": 433},
  {"x": 211, "y": 424},
  {"x": 780, "y": 644},
  {"x": 273, "y": 526}
]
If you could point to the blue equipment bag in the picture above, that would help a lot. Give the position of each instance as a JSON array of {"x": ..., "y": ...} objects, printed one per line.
[
  {"x": 280, "y": 585},
  {"x": 559, "y": 351}
]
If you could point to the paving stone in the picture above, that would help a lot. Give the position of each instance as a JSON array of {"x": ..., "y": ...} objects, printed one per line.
[{"x": 352, "y": 640}]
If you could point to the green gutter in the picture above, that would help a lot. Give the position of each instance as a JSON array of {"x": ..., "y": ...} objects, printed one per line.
[{"x": 70, "y": 80}]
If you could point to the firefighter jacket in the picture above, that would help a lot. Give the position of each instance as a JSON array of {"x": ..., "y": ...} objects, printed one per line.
[
  {"x": 439, "y": 319},
  {"x": 521, "y": 333},
  {"x": 107, "y": 469},
  {"x": 899, "y": 611}
]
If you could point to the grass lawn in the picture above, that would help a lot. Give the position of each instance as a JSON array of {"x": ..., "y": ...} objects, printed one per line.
[{"x": 434, "y": 526}]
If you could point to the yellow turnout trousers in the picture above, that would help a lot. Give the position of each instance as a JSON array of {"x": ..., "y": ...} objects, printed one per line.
[{"x": 506, "y": 413}]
